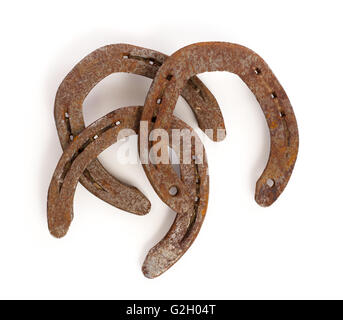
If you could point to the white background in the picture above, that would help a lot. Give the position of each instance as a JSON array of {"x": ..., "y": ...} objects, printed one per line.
[{"x": 294, "y": 249}]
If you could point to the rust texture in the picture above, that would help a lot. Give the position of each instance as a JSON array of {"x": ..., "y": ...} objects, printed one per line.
[
  {"x": 253, "y": 70},
  {"x": 70, "y": 123},
  {"x": 173, "y": 76},
  {"x": 88, "y": 145}
]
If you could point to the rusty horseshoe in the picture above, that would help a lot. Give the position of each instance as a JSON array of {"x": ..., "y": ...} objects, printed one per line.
[
  {"x": 89, "y": 144},
  {"x": 253, "y": 70},
  {"x": 70, "y": 123}
]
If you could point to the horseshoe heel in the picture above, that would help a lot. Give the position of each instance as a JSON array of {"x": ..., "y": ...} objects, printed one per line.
[
  {"x": 221, "y": 56},
  {"x": 70, "y": 123}
]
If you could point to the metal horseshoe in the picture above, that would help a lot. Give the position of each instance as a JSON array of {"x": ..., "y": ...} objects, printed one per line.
[
  {"x": 220, "y": 56},
  {"x": 82, "y": 152},
  {"x": 70, "y": 123}
]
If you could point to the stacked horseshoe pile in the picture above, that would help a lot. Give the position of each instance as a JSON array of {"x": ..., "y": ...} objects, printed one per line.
[{"x": 172, "y": 76}]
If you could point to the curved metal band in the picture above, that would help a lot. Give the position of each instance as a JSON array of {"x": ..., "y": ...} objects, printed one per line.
[
  {"x": 82, "y": 151},
  {"x": 70, "y": 123},
  {"x": 221, "y": 56}
]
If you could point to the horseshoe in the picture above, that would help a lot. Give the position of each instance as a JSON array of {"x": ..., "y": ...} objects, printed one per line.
[
  {"x": 221, "y": 56},
  {"x": 70, "y": 123},
  {"x": 89, "y": 144}
]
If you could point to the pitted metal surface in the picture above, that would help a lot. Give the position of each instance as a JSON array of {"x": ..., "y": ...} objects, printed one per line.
[
  {"x": 89, "y": 144},
  {"x": 220, "y": 56},
  {"x": 173, "y": 76},
  {"x": 70, "y": 122}
]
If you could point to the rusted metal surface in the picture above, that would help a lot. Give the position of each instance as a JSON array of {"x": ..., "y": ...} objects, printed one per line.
[
  {"x": 220, "y": 56},
  {"x": 78, "y": 155},
  {"x": 172, "y": 77},
  {"x": 70, "y": 123},
  {"x": 186, "y": 225},
  {"x": 88, "y": 145}
]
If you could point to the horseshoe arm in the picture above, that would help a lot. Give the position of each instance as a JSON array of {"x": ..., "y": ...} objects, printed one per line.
[{"x": 186, "y": 225}]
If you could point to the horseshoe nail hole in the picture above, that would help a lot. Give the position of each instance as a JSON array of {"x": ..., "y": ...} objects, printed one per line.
[
  {"x": 95, "y": 137},
  {"x": 153, "y": 119},
  {"x": 282, "y": 114},
  {"x": 125, "y": 56},
  {"x": 257, "y": 71},
  {"x": 159, "y": 101},
  {"x": 169, "y": 77},
  {"x": 118, "y": 123},
  {"x": 151, "y": 62},
  {"x": 270, "y": 183},
  {"x": 197, "y": 180},
  {"x": 173, "y": 191},
  {"x": 66, "y": 115},
  {"x": 273, "y": 95},
  {"x": 196, "y": 199},
  {"x": 71, "y": 137}
]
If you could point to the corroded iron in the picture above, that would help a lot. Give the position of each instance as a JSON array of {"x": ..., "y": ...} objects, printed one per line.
[
  {"x": 253, "y": 70},
  {"x": 70, "y": 123},
  {"x": 172, "y": 76},
  {"x": 88, "y": 145}
]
